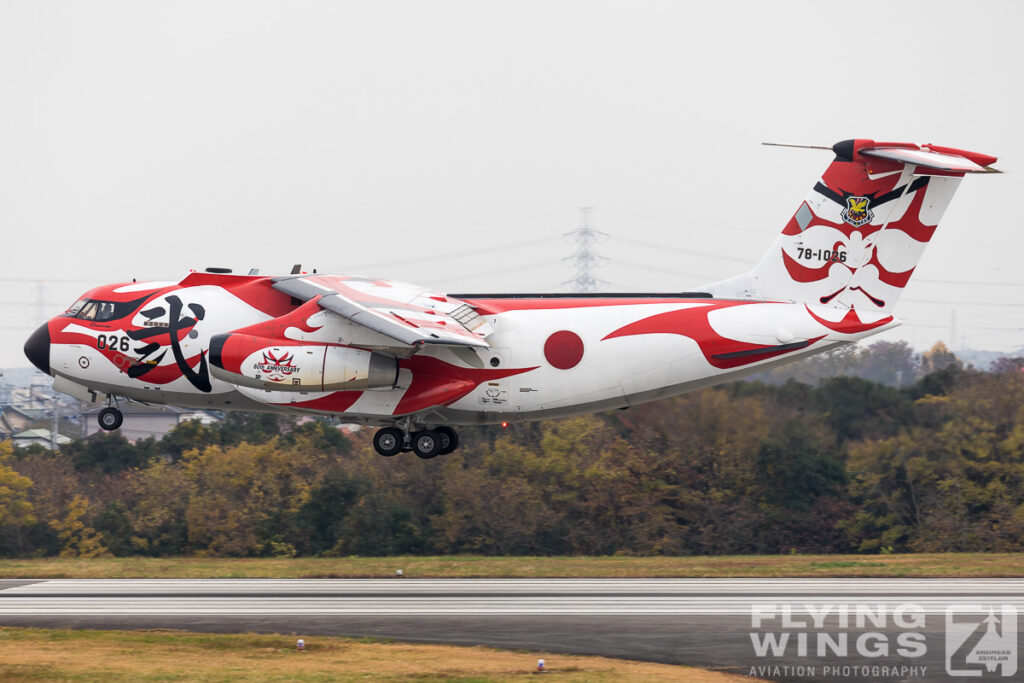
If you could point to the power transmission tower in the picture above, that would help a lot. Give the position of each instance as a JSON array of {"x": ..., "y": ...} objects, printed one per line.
[{"x": 584, "y": 259}]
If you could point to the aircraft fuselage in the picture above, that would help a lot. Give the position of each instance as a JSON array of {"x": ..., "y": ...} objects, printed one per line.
[{"x": 547, "y": 355}]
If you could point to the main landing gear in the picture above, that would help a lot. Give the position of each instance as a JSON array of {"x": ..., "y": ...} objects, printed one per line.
[{"x": 426, "y": 443}]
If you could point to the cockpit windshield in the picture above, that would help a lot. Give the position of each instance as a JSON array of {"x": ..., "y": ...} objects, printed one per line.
[
  {"x": 101, "y": 311},
  {"x": 75, "y": 307}
]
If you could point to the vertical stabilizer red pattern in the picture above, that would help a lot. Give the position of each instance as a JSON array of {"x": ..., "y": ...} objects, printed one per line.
[{"x": 857, "y": 237}]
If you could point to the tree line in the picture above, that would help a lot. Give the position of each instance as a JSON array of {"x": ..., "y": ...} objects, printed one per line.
[{"x": 844, "y": 465}]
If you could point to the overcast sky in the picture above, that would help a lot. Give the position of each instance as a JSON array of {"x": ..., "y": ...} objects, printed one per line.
[{"x": 450, "y": 144}]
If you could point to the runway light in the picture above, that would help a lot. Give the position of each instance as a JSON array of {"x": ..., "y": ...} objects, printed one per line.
[
  {"x": 301, "y": 645},
  {"x": 540, "y": 665},
  {"x": 504, "y": 425},
  {"x": 399, "y": 573}
]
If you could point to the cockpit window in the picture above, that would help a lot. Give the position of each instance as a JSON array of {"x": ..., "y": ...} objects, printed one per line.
[
  {"x": 88, "y": 311},
  {"x": 76, "y": 307},
  {"x": 102, "y": 311},
  {"x": 106, "y": 310}
]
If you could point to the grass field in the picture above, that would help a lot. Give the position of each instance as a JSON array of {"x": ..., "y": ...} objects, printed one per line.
[
  {"x": 965, "y": 565},
  {"x": 48, "y": 654}
]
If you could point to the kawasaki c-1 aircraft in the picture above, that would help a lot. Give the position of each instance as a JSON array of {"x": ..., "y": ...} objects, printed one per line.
[{"x": 419, "y": 362}]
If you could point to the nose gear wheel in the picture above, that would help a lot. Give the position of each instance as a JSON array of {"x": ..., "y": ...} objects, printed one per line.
[{"x": 110, "y": 418}]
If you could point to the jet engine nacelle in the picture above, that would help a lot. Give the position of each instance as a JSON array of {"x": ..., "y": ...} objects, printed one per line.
[{"x": 262, "y": 363}]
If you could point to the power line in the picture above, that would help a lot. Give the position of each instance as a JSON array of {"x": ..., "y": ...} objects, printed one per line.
[
  {"x": 656, "y": 269},
  {"x": 961, "y": 303},
  {"x": 969, "y": 327},
  {"x": 680, "y": 250},
  {"x": 431, "y": 258},
  {"x": 503, "y": 271},
  {"x": 45, "y": 279},
  {"x": 970, "y": 282}
]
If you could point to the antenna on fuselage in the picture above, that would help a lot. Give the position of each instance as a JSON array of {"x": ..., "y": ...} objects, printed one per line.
[{"x": 297, "y": 269}]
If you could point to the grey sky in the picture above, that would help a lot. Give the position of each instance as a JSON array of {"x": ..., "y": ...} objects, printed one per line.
[{"x": 392, "y": 138}]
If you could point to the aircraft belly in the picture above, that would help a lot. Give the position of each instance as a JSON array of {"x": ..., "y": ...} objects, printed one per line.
[
  {"x": 661, "y": 360},
  {"x": 611, "y": 372},
  {"x": 87, "y": 366},
  {"x": 219, "y": 400},
  {"x": 597, "y": 371},
  {"x": 634, "y": 354},
  {"x": 455, "y": 416}
]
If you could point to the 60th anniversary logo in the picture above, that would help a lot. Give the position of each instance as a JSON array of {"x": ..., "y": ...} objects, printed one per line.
[{"x": 882, "y": 641}]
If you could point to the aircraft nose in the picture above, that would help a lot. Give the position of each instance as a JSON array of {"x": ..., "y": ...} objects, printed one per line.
[{"x": 37, "y": 348}]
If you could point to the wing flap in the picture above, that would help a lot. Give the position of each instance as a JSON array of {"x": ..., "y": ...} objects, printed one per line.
[{"x": 406, "y": 313}]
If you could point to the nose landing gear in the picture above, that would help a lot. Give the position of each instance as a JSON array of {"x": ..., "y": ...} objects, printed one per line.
[{"x": 110, "y": 418}]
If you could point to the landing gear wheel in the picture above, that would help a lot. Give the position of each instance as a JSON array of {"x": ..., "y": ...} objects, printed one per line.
[
  {"x": 449, "y": 440},
  {"x": 388, "y": 441},
  {"x": 110, "y": 419},
  {"x": 426, "y": 444}
]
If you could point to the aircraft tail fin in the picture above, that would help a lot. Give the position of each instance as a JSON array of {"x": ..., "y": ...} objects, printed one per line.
[{"x": 855, "y": 240}]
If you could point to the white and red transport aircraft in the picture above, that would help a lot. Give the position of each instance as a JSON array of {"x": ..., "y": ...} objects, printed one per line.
[{"x": 418, "y": 362}]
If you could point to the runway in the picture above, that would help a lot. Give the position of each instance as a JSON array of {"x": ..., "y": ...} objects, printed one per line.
[{"x": 729, "y": 624}]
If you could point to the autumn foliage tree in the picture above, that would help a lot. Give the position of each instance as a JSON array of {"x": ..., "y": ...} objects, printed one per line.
[
  {"x": 16, "y": 512},
  {"x": 843, "y": 464}
]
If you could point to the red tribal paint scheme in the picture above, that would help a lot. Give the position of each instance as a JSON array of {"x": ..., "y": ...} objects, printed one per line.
[
  {"x": 718, "y": 351},
  {"x": 418, "y": 362}
]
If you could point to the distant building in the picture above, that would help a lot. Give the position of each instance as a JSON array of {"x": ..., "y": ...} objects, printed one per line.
[
  {"x": 41, "y": 437},
  {"x": 143, "y": 421},
  {"x": 14, "y": 420},
  {"x": 32, "y": 399}
]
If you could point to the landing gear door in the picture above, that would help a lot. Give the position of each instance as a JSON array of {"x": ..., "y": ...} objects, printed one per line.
[{"x": 497, "y": 395}]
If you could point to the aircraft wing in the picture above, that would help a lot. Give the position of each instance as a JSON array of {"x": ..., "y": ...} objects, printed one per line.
[{"x": 409, "y": 314}]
